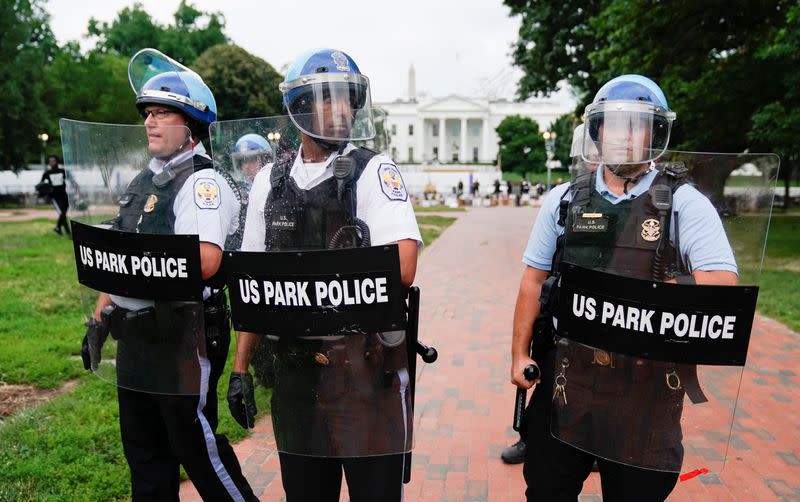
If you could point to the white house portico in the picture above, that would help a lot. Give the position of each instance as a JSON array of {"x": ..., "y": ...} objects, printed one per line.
[{"x": 447, "y": 139}]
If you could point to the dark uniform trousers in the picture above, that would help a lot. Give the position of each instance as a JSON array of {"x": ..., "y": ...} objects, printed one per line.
[
  {"x": 326, "y": 415},
  {"x": 161, "y": 432},
  {"x": 555, "y": 471},
  {"x": 307, "y": 479}
]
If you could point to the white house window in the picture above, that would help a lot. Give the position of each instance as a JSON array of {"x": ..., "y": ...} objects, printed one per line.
[{"x": 410, "y": 129}]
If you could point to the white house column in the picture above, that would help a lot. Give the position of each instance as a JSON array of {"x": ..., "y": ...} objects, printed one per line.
[
  {"x": 484, "y": 153},
  {"x": 462, "y": 156},
  {"x": 442, "y": 151}
]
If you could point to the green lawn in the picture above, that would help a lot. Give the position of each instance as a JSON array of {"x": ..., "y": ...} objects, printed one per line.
[
  {"x": 779, "y": 294},
  {"x": 439, "y": 209},
  {"x": 69, "y": 448},
  {"x": 432, "y": 226}
]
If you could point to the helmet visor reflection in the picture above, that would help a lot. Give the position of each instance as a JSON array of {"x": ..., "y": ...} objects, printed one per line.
[
  {"x": 335, "y": 107},
  {"x": 620, "y": 133}
]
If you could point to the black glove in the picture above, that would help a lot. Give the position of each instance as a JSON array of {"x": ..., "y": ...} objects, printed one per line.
[
  {"x": 241, "y": 399},
  {"x": 93, "y": 340}
]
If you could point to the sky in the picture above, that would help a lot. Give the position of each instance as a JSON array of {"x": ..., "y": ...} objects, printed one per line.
[{"x": 456, "y": 46}]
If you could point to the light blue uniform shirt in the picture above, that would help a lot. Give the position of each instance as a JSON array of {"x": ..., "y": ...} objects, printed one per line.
[{"x": 704, "y": 244}]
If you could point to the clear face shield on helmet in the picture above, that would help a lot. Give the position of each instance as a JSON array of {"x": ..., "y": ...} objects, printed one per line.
[
  {"x": 331, "y": 107},
  {"x": 625, "y": 132},
  {"x": 195, "y": 98}
]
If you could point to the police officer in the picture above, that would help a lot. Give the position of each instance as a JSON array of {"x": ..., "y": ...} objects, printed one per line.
[
  {"x": 250, "y": 154},
  {"x": 56, "y": 178},
  {"x": 170, "y": 426},
  {"x": 327, "y": 98},
  {"x": 629, "y": 123}
]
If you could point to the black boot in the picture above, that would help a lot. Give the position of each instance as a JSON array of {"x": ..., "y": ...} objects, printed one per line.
[{"x": 514, "y": 454}]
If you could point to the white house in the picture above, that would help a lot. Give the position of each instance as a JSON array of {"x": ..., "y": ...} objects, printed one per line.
[{"x": 446, "y": 139}]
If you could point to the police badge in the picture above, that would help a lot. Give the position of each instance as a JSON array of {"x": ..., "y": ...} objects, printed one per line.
[
  {"x": 651, "y": 230},
  {"x": 150, "y": 204}
]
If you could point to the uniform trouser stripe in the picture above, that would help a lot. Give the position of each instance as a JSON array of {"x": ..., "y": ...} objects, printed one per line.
[
  {"x": 403, "y": 375},
  {"x": 208, "y": 434}
]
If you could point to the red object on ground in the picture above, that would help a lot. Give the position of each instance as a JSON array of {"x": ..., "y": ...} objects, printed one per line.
[{"x": 693, "y": 474}]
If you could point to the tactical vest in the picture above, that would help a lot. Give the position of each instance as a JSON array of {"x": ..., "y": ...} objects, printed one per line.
[
  {"x": 151, "y": 197},
  {"x": 317, "y": 218},
  {"x": 628, "y": 239}
]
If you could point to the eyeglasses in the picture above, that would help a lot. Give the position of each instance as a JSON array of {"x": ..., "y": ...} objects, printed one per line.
[{"x": 158, "y": 114}]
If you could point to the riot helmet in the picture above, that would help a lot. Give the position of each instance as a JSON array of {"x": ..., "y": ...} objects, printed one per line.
[
  {"x": 628, "y": 123},
  {"x": 159, "y": 79},
  {"x": 250, "y": 153},
  {"x": 583, "y": 152},
  {"x": 328, "y": 98}
]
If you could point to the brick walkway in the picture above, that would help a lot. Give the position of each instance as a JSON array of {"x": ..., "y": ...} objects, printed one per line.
[{"x": 469, "y": 279}]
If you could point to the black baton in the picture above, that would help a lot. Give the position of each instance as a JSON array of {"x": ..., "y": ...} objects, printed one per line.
[{"x": 531, "y": 373}]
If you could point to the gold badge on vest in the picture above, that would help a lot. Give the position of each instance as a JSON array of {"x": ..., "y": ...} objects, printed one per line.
[
  {"x": 151, "y": 203},
  {"x": 651, "y": 230}
]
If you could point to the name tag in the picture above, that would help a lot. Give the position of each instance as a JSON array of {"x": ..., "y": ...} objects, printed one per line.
[
  {"x": 283, "y": 222},
  {"x": 590, "y": 222}
]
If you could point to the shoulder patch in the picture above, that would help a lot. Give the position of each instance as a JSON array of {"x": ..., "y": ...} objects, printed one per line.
[
  {"x": 392, "y": 182},
  {"x": 206, "y": 193}
]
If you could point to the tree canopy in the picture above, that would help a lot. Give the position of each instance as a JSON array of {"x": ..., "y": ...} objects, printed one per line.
[
  {"x": 26, "y": 46},
  {"x": 191, "y": 34},
  {"x": 244, "y": 85},
  {"x": 564, "y": 126},
  {"x": 729, "y": 69},
  {"x": 48, "y": 82},
  {"x": 522, "y": 148}
]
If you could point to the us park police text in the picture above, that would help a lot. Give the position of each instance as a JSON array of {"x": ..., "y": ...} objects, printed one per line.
[
  {"x": 145, "y": 266},
  {"x": 642, "y": 320},
  {"x": 360, "y": 291}
]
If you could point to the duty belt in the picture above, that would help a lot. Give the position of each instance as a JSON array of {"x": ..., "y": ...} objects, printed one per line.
[
  {"x": 299, "y": 352},
  {"x": 675, "y": 376},
  {"x": 145, "y": 323}
]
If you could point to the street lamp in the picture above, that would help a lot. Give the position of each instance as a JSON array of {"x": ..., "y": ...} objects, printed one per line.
[
  {"x": 43, "y": 137},
  {"x": 549, "y": 144}
]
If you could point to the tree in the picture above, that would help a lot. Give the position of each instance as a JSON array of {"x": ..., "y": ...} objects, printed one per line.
[
  {"x": 564, "y": 126},
  {"x": 26, "y": 46},
  {"x": 521, "y": 146},
  {"x": 244, "y": 85},
  {"x": 555, "y": 41},
  {"x": 777, "y": 123},
  {"x": 92, "y": 88},
  {"x": 700, "y": 66},
  {"x": 704, "y": 55},
  {"x": 194, "y": 31}
]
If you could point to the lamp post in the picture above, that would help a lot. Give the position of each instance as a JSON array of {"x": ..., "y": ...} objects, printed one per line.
[
  {"x": 549, "y": 144},
  {"x": 273, "y": 137},
  {"x": 43, "y": 137}
]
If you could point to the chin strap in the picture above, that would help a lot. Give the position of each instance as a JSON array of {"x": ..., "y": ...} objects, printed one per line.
[
  {"x": 632, "y": 180},
  {"x": 328, "y": 146},
  {"x": 187, "y": 142}
]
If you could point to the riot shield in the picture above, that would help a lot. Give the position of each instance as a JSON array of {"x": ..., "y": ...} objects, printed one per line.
[
  {"x": 655, "y": 303},
  {"x": 326, "y": 303},
  {"x": 137, "y": 251}
]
